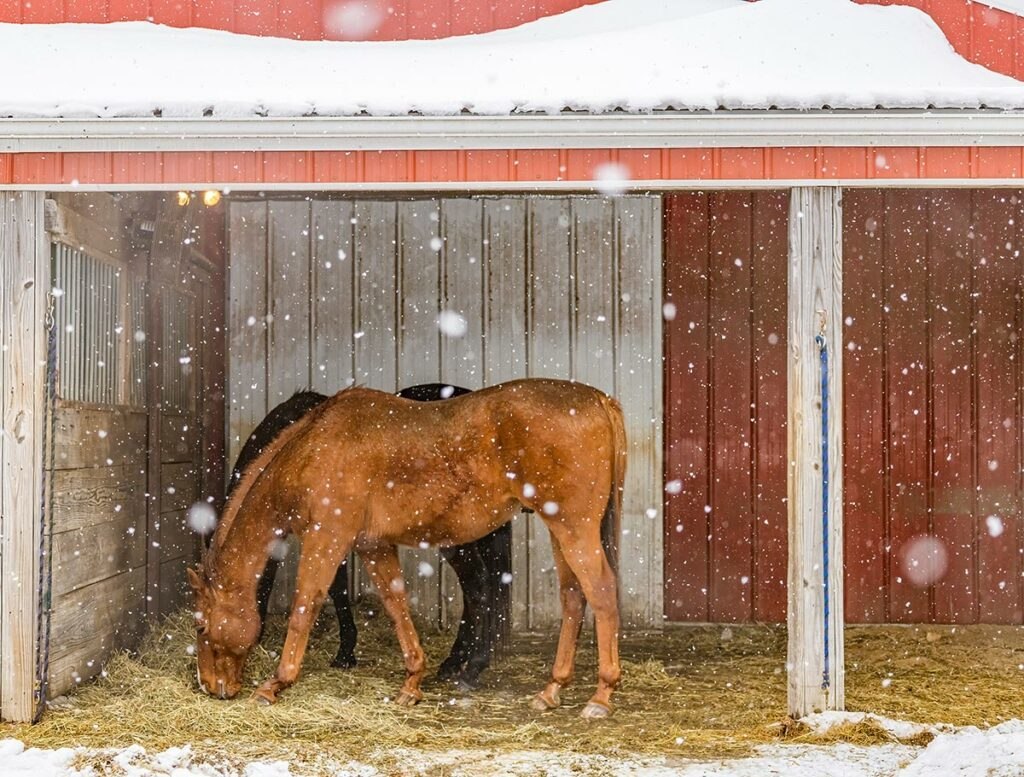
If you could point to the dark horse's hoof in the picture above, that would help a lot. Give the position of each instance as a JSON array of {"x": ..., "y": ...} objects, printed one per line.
[
  {"x": 449, "y": 670},
  {"x": 467, "y": 680},
  {"x": 344, "y": 661}
]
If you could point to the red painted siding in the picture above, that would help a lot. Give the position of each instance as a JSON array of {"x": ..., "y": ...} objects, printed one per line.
[
  {"x": 725, "y": 531},
  {"x": 302, "y": 19},
  {"x": 786, "y": 164},
  {"x": 933, "y": 385}
]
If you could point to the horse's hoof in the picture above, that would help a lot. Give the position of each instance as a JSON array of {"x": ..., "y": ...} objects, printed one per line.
[
  {"x": 344, "y": 661},
  {"x": 595, "y": 711},
  {"x": 406, "y": 699},
  {"x": 466, "y": 684},
  {"x": 263, "y": 698},
  {"x": 448, "y": 671},
  {"x": 548, "y": 699}
]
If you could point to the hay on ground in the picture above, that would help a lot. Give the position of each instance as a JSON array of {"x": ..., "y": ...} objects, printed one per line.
[{"x": 696, "y": 691}]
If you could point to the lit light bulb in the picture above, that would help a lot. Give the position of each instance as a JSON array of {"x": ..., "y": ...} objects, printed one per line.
[
  {"x": 184, "y": 198},
  {"x": 211, "y": 197}
]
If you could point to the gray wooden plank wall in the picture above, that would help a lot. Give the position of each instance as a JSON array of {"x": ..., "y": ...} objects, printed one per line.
[
  {"x": 102, "y": 543},
  {"x": 99, "y": 473},
  {"x": 323, "y": 293}
]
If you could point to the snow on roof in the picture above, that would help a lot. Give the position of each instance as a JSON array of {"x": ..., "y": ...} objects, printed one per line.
[{"x": 631, "y": 55}]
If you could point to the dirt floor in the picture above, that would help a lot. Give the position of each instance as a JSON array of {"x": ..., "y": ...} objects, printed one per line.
[{"x": 688, "y": 692}]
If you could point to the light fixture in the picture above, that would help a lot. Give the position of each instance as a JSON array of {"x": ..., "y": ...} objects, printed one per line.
[
  {"x": 184, "y": 198},
  {"x": 211, "y": 197}
]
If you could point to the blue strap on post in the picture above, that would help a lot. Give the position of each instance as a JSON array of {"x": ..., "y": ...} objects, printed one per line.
[{"x": 823, "y": 353}]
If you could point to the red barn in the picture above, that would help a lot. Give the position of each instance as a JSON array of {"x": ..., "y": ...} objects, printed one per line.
[{"x": 680, "y": 249}]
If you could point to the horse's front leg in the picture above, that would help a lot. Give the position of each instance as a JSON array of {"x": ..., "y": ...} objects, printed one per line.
[
  {"x": 381, "y": 563},
  {"x": 321, "y": 555}
]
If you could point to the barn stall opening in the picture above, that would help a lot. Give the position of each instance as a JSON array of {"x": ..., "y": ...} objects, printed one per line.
[{"x": 335, "y": 249}]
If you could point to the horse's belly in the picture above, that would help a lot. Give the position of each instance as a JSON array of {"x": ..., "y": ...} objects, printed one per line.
[{"x": 455, "y": 523}]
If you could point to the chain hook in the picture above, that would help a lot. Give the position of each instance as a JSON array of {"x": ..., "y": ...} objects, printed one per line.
[
  {"x": 822, "y": 322},
  {"x": 50, "y": 318}
]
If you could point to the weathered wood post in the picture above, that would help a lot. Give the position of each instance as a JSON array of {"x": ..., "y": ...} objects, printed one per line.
[
  {"x": 815, "y": 619},
  {"x": 24, "y": 283}
]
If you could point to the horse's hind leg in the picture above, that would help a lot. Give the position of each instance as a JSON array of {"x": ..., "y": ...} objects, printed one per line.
[
  {"x": 573, "y": 607},
  {"x": 585, "y": 556},
  {"x": 381, "y": 563},
  {"x": 322, "y": 553},
  {"x": 347, "y": 632}
]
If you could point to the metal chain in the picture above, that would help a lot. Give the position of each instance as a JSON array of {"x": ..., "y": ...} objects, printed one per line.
[{"x": 45, "y": 589}]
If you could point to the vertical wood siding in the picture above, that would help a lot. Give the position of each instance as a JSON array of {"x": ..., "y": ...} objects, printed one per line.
[
  {"x": 944, "y": 330},
  {"x": 557, "y": 287},
  {"x": 933, "y": 386},
  {"x": 24, "y": 279},
  {"x": 725, "y": 406}
]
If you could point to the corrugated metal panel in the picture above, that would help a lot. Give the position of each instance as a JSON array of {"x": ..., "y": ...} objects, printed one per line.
[
  {"x": 359, "y": 167},
  {"x": 933, "y": 392},
  {"x": 562, "y": 287},
  {"x": 90, "y": 326},
  {"x": 304, "y": 19},
  {"x": 180, "y": 351},
  {"x": 137, "y": 331}
]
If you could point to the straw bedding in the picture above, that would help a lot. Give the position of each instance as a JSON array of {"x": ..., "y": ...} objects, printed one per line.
[{"x": 687, "y": 692}]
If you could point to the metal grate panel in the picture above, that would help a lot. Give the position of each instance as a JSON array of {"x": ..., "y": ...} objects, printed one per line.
[{"x": 89, "y": 311}]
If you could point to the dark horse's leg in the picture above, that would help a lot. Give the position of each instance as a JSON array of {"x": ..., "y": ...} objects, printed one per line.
[
  {"x": 498, "y": 557},
  {"x": 483, "y": 569},
  {"x": 263, "y": 592},
  {"x": 471, "y": 651},
  {"x": 346, "y": 658}
]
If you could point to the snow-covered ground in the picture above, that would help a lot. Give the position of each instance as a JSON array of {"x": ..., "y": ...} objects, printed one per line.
[
  {"x": 963, "y": 752},
  {"x": 638, "y": 55}
]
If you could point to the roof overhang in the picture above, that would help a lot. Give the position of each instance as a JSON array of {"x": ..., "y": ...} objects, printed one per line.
[{"x": 720, "y": 129}]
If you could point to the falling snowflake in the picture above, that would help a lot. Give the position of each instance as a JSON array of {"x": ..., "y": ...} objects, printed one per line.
[
  {"x": 611, "y": 178},
  {"x": 201, "y": 518},
  {"x": 353, "y": 19},
  {"x": 452, "y": 324}
]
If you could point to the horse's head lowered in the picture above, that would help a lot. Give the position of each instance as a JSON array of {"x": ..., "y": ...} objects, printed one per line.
[{"x": 226, "y": 632}]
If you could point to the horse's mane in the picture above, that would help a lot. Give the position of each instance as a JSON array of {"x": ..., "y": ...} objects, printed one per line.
[{"x": 251, "y": 474}]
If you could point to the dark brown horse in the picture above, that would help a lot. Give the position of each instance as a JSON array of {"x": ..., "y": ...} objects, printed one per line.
[{"x": 370, "y": 470}]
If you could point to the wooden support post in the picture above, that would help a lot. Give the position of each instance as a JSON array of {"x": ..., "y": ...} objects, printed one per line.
[
  {"x": 815, "y": 617},
  {"x": 24, "y": 282}
]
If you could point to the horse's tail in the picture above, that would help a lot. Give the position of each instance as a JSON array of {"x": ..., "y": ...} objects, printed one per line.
[
  {"x": 611, "y": 524},
  {"x": 252, "y": 472}
]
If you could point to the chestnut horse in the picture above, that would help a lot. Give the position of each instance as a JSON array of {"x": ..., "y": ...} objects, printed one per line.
[
  {"x": 370, "y": 470},
  {"x": 479, "y": 566}
]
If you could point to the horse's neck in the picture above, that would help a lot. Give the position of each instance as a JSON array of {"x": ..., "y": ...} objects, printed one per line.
[{"x": 241, "y": 555}]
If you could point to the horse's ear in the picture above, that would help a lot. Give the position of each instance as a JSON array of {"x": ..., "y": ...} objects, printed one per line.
[{"x": 195, "y": 578}]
